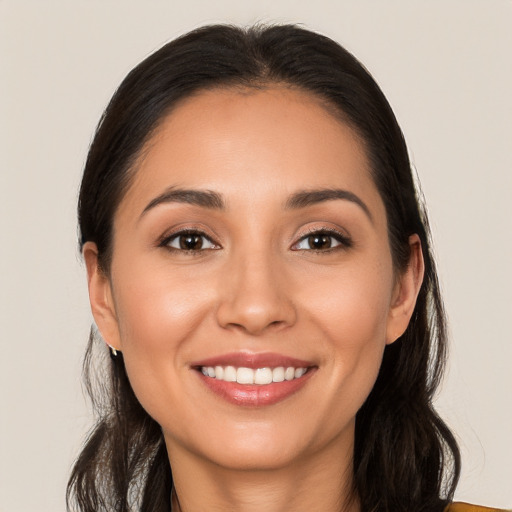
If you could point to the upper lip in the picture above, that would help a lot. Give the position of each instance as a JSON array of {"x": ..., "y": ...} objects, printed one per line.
[{"x": 252, "y": 360}]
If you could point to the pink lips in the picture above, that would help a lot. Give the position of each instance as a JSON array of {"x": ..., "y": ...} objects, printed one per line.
[
  {"x": 249, "y": 360},
  {"x": 253, "y": 395}
]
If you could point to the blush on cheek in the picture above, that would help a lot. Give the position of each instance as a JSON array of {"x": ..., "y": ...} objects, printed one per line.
[
  {"x": 353, "y": 318},
  {"x": 160, "y": 308},
  {"x": 156, "y": 320}
]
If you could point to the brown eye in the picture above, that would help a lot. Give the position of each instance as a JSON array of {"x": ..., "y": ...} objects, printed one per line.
[
  {"x": 189, "y": 241},
  {"x": 319, "y": 242},
  {"x": 323, "y": 241}
]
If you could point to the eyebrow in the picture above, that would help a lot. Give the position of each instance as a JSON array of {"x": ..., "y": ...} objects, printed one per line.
[
  {"x": 305, "y": 198},
  {"x": 213, "y": 200},
  {"x": 203, "y": 198}
]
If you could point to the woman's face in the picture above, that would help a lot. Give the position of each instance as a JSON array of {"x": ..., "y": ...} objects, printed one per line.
[{"x": 252, "y": 245}]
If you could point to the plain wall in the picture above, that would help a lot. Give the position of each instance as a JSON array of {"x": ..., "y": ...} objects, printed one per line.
[{"x": 445, "y": 66}]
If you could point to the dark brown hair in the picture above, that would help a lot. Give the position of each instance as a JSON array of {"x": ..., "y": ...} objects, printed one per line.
[{"x": 405, "y": 456}]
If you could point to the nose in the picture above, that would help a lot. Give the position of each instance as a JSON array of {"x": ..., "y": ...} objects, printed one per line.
[{"x": 255, "y": 296}]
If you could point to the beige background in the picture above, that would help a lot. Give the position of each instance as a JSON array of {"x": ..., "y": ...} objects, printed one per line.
[{"x": 446, "y": 69}]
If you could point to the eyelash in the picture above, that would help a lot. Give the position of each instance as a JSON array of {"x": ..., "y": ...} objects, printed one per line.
[
  {"x": 344, "y": 242},
  {"x": 166, "y": 241}
]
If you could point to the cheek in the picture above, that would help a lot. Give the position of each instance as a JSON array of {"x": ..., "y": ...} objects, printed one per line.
[
  {"x": 353, "y": 305},
  {"x": 351, "y": 309},
  {"x": 157, "y": 315},
  {"x": 155, "y": 307}
]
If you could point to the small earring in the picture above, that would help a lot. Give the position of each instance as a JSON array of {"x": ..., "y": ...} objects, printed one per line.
[{"x": 113, "y": 351}]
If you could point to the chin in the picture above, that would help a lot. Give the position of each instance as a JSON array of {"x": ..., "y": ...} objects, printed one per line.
[
  {"x": 250, "y": 456},
  {"x": 261, "y": 445}
]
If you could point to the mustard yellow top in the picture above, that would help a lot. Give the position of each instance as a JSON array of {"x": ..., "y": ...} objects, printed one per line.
[{"x": 466, "y": 507}]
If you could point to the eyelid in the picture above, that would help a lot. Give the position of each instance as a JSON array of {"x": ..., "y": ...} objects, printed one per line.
[
  {"x": 345, "y": 241},
  {"x": 189, "y": 230}
]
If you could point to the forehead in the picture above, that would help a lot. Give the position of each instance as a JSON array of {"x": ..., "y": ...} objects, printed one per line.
[{"x": 252, "y": 144}]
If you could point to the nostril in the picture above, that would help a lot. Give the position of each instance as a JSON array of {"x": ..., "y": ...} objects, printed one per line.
[
  {"x": 256, "y": 326},
  {"x": 254, "y": 305}
]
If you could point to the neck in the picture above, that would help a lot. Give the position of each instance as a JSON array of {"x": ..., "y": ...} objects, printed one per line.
[{"x": 321, "y": 483}]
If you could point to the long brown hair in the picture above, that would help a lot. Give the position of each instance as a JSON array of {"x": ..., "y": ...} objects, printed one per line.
[{"x": 405, "y": 456}]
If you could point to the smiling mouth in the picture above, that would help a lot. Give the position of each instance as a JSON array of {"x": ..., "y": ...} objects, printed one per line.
[
  {"x": 250, "y": 376},
  {"x": 254, "y": 380}
]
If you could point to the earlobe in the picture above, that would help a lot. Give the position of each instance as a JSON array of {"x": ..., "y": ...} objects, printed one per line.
[
  {"x": 406, "y": 292},
  {"x": 101, "y": 298}
]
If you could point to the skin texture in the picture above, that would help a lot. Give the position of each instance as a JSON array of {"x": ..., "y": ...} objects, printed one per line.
[{"x": 255, "y": 286}]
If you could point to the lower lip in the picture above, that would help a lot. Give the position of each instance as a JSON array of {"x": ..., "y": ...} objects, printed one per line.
[{"x": 256, "y": 395}]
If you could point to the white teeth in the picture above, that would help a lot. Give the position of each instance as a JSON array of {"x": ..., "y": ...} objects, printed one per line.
[
  {"x": 263, "y": 376},
  {"x": 245, "y": 376},
  {"x": 278, "y": 374},
  {"x": 219, "y": 372},
  {"x": 229, "y": 374},
  {"x": 260, "y": 376},
  {"x": 299, "y": 372},
  {"x": 289, "y": 374}
]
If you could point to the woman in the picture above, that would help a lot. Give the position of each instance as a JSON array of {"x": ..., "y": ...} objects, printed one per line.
[{"x": 259, "y": 264}]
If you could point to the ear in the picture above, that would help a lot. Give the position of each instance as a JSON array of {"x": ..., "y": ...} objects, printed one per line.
[
  {"x": 101, "y": 298},
  {"x": 406, "y": 292}
]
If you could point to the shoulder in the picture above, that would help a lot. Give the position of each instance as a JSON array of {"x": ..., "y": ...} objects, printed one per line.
[{"x": 466, "y": 507}]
